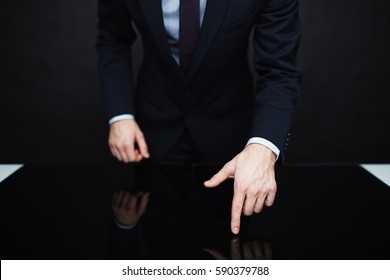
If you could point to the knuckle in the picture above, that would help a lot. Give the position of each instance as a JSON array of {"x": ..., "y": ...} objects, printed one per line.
[
  {"x": 272, "y": 187},
  {"x": 117, "y": 145},
  {"x": 253, "y": 192},
  {"x": 226, "y": 166},
  {"x": 110, "y": 143},
  {"x": 140, "y": 135},
  {"x": 242, "y": 187},
  {"x": 124, "y": 145},
  {"x": 240, "y": 191},
  {"x": 215, "y": 177},
  {"x": 237, "y": 208}
]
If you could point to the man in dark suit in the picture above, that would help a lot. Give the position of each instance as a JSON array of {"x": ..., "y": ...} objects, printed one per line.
[{"x": 195, "y": 98}]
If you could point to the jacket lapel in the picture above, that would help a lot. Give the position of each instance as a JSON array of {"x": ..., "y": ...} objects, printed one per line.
[
  {"x": 153, "y": 14},
  {"x": 213, "y": 17}
]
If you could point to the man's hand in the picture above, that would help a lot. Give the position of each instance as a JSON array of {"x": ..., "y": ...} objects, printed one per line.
[
  {"x": 252, "y": 250},
  {"x": 128, "y": 208},
  {"x": 127, "y": 142},
  {"x": 253, "y": 171}
]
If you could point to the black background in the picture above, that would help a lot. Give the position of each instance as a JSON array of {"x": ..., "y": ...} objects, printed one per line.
[{"x": 51, "y": 107}]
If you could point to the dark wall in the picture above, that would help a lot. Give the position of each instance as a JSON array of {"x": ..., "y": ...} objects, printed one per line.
[
  {"x": 343, "y": 115},
  {"x": 51, "y": 107}
]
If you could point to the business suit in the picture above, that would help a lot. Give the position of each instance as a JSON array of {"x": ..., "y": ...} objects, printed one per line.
[{"x": 215, "y": 101}]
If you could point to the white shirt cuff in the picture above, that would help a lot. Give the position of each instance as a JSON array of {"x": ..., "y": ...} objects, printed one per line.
[
  {"x": 122, "y": 226},
  {"x": 265, "y": 142},
  {"x": 120, "y": 118}
]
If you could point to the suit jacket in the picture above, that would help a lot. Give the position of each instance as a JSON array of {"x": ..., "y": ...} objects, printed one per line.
[{"x": 217, "y": 100}]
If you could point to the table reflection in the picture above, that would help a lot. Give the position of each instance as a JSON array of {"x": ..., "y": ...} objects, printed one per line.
[
  {"x": 164, "y": 212},
  {"x": 168, "y": 214}
]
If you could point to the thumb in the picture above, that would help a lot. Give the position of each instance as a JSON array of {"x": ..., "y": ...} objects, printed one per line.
[
  {"x": 143, "y": 147},
  {"x": 216, "y": 254},
  {"x": 226, "y": 172}
]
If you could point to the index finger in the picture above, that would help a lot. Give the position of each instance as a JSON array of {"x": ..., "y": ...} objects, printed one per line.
[{"x": 237, "y": 204}]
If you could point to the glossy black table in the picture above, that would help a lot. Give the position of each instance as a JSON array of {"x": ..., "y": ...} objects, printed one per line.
[{"x": 79, "y": 212}]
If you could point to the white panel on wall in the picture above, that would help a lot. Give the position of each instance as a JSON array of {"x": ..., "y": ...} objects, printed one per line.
[
  {"x": 8, "y": 169},
  {"x": 381, "y": 171}
]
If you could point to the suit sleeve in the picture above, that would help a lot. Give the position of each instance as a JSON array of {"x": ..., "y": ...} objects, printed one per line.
[
  {"x": 115, "y": 36},
  {"x": 276, "y": 40}
]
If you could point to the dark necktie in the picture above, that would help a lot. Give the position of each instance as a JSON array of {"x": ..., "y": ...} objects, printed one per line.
[{"x": 189, "y": 31}]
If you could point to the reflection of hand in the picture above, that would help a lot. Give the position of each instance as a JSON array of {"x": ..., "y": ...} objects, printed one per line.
[
  {"x": 254, "y": 181},
  {"x": 254, "y": 250},
  {"x": 128, "y": 208},
  {"x": 127, "y": 142}
]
